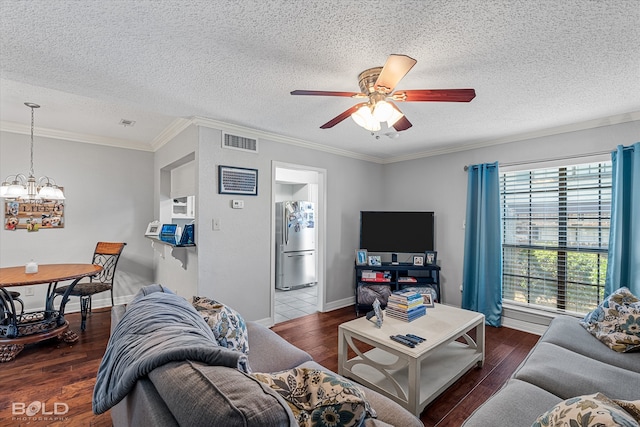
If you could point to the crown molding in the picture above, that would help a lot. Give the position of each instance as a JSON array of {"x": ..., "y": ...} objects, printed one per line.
[
  {"x": 253, "y": 133},
  {"x": 170, "y": 132},
  {"x": 574, "y": 127},
  {"x": 180, "y": 124},
  {"x": 73, "y": 136}
]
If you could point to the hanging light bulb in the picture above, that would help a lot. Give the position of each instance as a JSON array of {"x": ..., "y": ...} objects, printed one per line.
[
  {"x": 383, "y": 111},
  {"x": 365, "y": 119}
]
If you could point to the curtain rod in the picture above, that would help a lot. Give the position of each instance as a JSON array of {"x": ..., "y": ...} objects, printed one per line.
[{"x": 578, "y": 156}]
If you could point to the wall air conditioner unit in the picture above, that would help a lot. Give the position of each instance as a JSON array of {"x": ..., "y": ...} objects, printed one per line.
[{"x": 241, "y": 143}]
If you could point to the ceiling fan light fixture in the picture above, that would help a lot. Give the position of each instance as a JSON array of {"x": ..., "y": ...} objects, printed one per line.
[
  {"x": 383, "y": 111},
  {"x": 365, "y": 119}
]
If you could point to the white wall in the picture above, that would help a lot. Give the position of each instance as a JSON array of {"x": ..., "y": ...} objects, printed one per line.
[
  {"x": 109, "y": 198},
  {"x": 176, "y": 268},
  {"x": 235, "y": 262},
  {"x": 439, "y": 184}
]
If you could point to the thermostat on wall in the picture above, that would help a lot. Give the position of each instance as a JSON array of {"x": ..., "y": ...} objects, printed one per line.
[{"x": 237, "y": 204}]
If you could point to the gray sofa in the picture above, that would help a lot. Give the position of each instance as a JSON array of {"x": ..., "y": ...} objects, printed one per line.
[
  {"x": 193, "y": 394},
  {"x": 566, "y": 362}
]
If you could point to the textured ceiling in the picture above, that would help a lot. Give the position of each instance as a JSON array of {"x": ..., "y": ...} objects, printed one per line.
[{"x": 535, "y": 65}]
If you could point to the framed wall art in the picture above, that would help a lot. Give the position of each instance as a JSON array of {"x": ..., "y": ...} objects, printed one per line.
[
  {"x": 234, "y": 180},
  {"x": 33, "y": 216}
]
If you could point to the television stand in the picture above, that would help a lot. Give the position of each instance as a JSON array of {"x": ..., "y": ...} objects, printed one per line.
[{"x": 391, "y": 278}]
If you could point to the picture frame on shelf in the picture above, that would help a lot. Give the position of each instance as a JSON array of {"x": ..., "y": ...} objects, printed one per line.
[
  {"x": 361, "y": 257},
  {"x": 418, "y": 260},
  {"x": 427, "y": 300},
  {"x": 375, "y": 260},
  {"x": 430, "y": 257},
  {"x": 153, "y": 229}
]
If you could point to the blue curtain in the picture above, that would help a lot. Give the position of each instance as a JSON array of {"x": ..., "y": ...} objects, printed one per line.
[
  {"x": 623, "y": 267},
  {"x": 482, "y": 273}
]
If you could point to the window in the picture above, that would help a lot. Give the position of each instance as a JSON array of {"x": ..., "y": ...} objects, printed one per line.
[{"x": 556, "y": 236}]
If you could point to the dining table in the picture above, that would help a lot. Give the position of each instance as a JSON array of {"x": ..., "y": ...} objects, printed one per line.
[{"x": 20, "y": 328}]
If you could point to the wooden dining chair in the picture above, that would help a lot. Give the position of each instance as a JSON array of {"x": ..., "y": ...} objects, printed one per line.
[{"x": 105, "y": 255}]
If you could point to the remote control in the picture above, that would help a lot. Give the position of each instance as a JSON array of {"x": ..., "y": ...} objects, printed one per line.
[
  {"x": 416, "y": 337},
  {"x": 402, "y": 340},
  {"x": 413, "y": 340}
]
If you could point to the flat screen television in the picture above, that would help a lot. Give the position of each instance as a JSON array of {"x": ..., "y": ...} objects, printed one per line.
[{"x": 396, "y": 231}]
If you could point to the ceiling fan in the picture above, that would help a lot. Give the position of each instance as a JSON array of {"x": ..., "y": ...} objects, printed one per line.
[{"x": 376, "y": 85}]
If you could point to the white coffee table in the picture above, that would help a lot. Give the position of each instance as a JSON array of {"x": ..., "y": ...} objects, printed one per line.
[{"x": 413, "y": 377}]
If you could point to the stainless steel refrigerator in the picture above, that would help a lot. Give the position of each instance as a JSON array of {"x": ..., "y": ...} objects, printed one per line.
[{"x": 295, "y": 245}]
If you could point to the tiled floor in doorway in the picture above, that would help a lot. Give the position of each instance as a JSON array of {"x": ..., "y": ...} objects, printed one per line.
[{"x": 296, "y": 303}]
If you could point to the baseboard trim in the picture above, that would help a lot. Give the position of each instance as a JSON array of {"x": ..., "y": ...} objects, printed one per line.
[{"x": 342, "y": 303}]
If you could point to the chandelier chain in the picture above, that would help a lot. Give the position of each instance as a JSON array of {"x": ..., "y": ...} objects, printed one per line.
[{"x": 31, "y": 169}]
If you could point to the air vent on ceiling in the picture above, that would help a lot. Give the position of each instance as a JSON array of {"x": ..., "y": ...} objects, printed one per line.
[{"x": 241, "y": 143}]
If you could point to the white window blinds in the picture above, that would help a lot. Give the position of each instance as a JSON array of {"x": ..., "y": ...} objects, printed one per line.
[{"x": 555, "y": 236}]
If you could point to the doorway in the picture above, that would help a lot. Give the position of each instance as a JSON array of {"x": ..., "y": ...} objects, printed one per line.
[{"x": 299, "y": 182}]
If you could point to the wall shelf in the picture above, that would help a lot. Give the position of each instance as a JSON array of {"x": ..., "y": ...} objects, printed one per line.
[
  {"x": 156, "y": 240},
  {"x": 178, "y": 252}
]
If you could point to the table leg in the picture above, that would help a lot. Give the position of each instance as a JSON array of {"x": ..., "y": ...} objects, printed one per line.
[
  {"x": 342, "y": 351},
  {"x": 9, "y": 313},
  {"x": 480, "y": 342},
  {"x": 415, "y": 374},
  {"x": 63, "y": 302}
]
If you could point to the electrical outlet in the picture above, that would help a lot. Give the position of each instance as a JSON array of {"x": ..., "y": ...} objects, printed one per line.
[
  {"x": 28, "y": 291},
  {"x": 237, "y": 204}
]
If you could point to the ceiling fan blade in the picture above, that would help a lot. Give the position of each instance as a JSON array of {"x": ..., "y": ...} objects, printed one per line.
[
  {"x": 435, "y": 95},
  {"x": 327, "y": 93},
  {"x": 396, "y": 67},
  {"x": 331, "y": 123},
  {"x": 402, "y": 124}
]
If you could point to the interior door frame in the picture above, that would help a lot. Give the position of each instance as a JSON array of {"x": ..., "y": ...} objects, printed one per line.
[{"x": 321, "y": 222}]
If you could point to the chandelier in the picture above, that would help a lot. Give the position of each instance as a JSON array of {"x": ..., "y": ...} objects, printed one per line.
[{"x": 28, "y": 189}]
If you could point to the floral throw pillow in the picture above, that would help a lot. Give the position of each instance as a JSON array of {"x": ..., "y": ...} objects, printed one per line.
[
  {"x": 616, "y": 321},
  {"x": 594, "y": 410},
  {"x": 318, "y": 398},
  {"x": 229, "y": 328}
]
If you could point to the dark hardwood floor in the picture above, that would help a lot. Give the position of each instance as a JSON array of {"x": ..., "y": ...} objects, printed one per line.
[{"x": 53, "y": 371}]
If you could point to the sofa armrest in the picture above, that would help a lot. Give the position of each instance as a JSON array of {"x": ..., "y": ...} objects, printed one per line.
[{"x": 269, "y": 352}]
